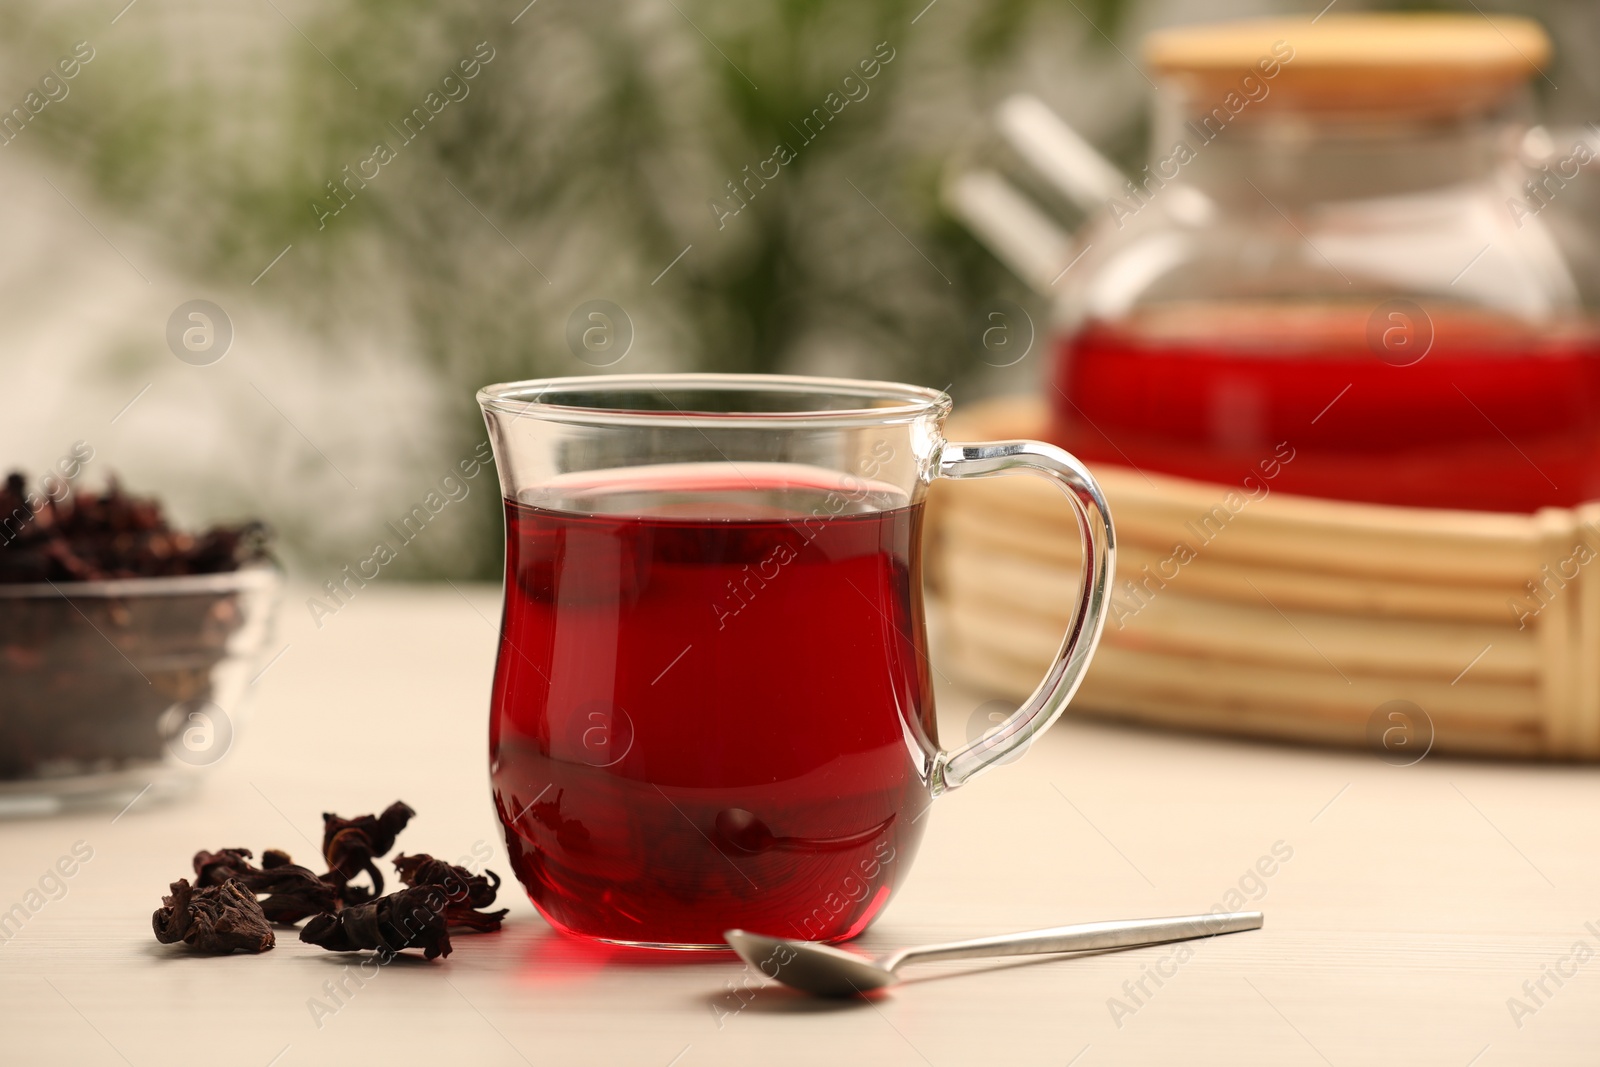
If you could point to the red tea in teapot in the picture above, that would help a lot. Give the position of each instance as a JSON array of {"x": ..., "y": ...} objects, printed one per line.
[{"x": 1450, "y": 409}]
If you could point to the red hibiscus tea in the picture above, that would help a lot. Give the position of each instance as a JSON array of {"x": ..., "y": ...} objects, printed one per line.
[
  {"x": 1478, "y": 412},
  {"x": 712, "y": 707}
]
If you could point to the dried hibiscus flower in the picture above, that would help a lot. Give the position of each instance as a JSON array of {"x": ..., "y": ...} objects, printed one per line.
[
  {"x": 84, "y": 536},
  {"x": 464, "y": 891},
  {"x": 289, "y": 892},
  {"x": 214, "y": 918},
  {"x": 350, "y": 846},
  {"x": 224, "y": 865},
  {"x": 409, "y": 918}
]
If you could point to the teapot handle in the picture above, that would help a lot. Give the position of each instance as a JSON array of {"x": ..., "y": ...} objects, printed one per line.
[
  {"x": 1030, "y": 243},
  {"x": 1058, "y": 153},
  {"x": 1036, "y": 247}
]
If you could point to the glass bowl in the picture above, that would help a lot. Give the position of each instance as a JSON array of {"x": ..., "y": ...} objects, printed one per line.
[{"x": 113, "y": 689}]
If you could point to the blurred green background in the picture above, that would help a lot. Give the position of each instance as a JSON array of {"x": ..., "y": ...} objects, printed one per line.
[{"x": 580, "y": 163}]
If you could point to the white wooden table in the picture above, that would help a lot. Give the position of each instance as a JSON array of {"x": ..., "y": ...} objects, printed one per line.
[{"x": 1417, "y": 901}]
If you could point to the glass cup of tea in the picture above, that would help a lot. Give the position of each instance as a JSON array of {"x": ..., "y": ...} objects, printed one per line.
[{"x": 712, "y": 702}]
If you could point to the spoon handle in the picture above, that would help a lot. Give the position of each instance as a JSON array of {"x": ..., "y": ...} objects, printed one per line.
[{"x": 1084, "y": 937}]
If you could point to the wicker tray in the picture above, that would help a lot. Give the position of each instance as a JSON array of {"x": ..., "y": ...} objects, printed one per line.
[{"x": 1283, "y": 616}]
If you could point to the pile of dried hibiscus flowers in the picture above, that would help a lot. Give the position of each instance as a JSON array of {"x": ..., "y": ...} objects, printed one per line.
[{"x": 232, "y": 903}]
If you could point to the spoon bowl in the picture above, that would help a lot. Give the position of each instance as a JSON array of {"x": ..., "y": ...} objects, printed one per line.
[{"x": 810, "y": 966}]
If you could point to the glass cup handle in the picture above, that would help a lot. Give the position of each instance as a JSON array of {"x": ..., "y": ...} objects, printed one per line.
[{"x": 1098, "y": 539}]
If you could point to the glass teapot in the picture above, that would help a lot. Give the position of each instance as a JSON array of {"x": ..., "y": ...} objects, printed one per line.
[{"x": 1351, "y": 256}]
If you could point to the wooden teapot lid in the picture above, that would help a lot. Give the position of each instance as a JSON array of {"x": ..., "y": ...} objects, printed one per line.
[{"x": 1420, "y": 63}]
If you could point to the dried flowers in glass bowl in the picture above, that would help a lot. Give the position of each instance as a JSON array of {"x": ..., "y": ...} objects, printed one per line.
[{"x": 125, "y": 645}]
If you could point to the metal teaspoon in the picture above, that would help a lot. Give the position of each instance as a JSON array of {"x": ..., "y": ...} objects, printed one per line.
[{"x": 825, "y": 971}]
